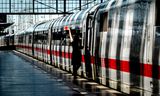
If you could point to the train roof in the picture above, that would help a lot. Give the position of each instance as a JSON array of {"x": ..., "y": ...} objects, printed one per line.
[
  {"x": 78, "y": 18},
  {"x": 20, "y": 32},
  {"x": 56, "y": 22},
  {"x": 30, "y": 29},
  {"x": 75, "y": 19},
  {"x": 44, "y": 26},
  {"x": 72, "y": 20}
]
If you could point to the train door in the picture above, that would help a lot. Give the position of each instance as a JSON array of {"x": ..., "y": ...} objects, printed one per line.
[
  {"x": 41, "y": 39},
  {"x": 89, "y": 57},
  {"x": 33, "y": 44},
  {"x": 23, "y": 43},
  {"x": 27, "y": 48},
  {"x": 44, "y": 43},
  {"x": 100, "y": 29},
  {"x": 53, "y": 47},
  {"x": 97, "y": 66},
  {"x": 30, "y": 44},
  {"x": 155, "y": 67}
]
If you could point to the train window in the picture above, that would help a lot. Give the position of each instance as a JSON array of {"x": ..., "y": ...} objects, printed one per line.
[
  {"x": 157, "y": 37},
  {"x": 35, "y": 38},
  {"x": 45, "y": 38},
  {"x": 157, "y": 13},
  {"x": 38, "y": 38},
  {"x": 104, "y": 22},
  {"x": 66, "y": 40},
  {"x": 30, "y": 39},
  {"x": 20, "y": 39},
  {"x": 57, "y": 38}
]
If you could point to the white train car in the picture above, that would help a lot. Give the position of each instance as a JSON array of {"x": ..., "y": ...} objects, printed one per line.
[{"x": 120, "y": 40}]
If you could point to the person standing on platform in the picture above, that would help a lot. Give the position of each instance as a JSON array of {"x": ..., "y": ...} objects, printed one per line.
[{"x": 76, "y": 53}]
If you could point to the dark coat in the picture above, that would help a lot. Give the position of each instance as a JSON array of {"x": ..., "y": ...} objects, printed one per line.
[{"x": 76, "y": 53}]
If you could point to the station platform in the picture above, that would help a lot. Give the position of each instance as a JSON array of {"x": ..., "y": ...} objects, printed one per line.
[{"x": 21, "y": 75}]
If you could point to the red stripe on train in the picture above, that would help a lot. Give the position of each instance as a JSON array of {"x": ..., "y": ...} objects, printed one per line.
[
  {"x": 124, "y": 66},
  {"x": 112, "y": 64},
  {"x": 146, "y": 69}
]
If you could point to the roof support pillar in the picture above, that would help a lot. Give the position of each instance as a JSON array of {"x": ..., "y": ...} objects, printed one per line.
[
  {"x": 33, "y": 6},
  {"x": 64, "y": 7},
  {"x": 80, "y": 4},
  {"x": 56, "y": 6}
]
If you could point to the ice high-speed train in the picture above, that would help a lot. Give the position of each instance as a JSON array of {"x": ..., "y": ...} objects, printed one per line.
[{"x": 120, "y": 39}]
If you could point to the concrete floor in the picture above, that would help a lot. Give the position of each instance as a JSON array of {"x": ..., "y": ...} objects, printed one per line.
[
  {"x": 19, "y": 78},
  {"x": 21, "y": 75}
]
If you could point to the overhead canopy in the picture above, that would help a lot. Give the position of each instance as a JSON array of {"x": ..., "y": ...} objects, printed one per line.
[{"x": 4, "y": 26}]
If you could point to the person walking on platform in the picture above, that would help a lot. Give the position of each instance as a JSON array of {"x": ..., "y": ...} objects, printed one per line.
[{"x": 76, "y": 53}]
